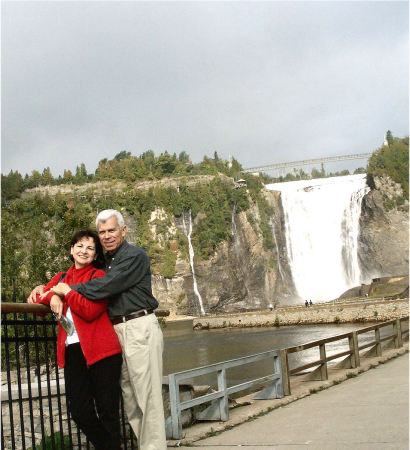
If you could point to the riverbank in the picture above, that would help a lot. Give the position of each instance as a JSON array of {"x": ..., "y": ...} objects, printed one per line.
[{"x": 346, "y": 311}]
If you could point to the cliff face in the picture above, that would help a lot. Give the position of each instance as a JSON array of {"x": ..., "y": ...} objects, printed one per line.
[
  {"x": 384, "y": 233},
  {"x": 245, "y": 273},
  {"x": 240, "y": 276}
]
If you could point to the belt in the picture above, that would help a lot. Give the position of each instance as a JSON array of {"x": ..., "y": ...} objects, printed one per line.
[{"x": 141, "y": 313}]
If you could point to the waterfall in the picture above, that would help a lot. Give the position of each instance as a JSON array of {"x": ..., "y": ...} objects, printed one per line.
[
  {"x": 282, "y": 275},
  {"x": 322, "y": 227},
  {"x": 233, "y": 226},
  {"x": 191, "y": 260}
]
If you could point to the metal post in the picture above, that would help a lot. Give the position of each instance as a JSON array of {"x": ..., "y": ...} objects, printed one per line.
[
  {"x": 278, "y": 382},
  {"x": 175, "y": 412},
  {"x": 323, "y": 367},
  {"x": 223, "y": 401}
]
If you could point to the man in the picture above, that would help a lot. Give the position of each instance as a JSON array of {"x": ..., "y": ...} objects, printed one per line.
[{"x": 128, "y": 284}]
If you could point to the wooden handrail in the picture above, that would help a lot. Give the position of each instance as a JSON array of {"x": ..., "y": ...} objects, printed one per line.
[
  {"x": 8, "y": 307},
  {"x": 298, "y": 348},
  {"x": 353, "y": 343}
]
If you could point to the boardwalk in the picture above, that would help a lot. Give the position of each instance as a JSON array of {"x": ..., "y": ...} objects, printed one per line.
[{"x": 370, "y": 411}]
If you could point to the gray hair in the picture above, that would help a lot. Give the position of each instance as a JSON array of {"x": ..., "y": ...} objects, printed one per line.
[{"x": 103, "y": 216}]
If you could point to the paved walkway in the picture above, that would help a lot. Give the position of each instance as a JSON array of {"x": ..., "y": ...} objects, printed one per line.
[{"x": 370, "y": 411}]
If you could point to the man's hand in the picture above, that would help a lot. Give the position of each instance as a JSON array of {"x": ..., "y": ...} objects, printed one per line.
[
  {"x": 61, "y": 289},
  {"x": 37, "y": 290},
  {"x": 56, "y": 305}
]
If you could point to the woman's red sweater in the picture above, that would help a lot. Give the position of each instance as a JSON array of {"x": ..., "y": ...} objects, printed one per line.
[{"x": 98, "y": 338}]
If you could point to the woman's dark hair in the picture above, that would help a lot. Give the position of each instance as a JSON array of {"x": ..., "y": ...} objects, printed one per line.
[{"x": 99, "y": 253}]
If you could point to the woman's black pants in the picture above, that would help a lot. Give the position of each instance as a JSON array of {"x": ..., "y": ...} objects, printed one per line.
[{"x": 97, "y": 383}]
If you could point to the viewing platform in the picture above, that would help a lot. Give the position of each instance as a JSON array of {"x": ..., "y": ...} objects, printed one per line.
[{"x": 369, "y": 410}]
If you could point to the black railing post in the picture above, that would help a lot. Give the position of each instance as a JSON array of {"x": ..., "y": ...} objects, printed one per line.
[
  {"x": 18, "y": 376},
  {"x": 28, "y": 368},
  {"x": 8, "y": 375}
]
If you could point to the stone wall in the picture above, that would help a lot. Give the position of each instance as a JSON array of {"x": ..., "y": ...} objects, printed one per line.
[{"x": 338, "y": 312}]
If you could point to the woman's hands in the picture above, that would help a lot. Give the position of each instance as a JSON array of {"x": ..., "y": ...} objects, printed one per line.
[
  {"x": 61, "y": 289},
  {"x": 33, "y": 294},
  {"x": 56, "y": 305}
]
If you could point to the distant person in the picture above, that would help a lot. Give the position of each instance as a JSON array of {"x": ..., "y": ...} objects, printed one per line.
[
  {"x": 310, "y": 303},
  {"x": 91, "y": 353},
  {"x": 271, "y": 306},
  {"x": 306, "y": 304}
]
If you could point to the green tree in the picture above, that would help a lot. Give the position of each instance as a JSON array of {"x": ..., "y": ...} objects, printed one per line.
[
  {"x": 67, "y": 176},
  {"x": 35, "y": 179},
  {"x": 11, "y": 185},
  {"x": 184, "y": 158},
  {"x": 389, "y": 137},
  {"x": 122, "y": 155},
  {"x": 80, "y": 174},
  {"x": 392, "y": 161},
  {"x": 46, "y": 177}
]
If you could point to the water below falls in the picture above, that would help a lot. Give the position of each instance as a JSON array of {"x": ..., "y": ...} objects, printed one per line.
[{"x": 322, "y": 228}]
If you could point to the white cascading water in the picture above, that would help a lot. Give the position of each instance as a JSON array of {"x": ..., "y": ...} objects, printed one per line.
[
  {"x": 233, "y": 226},
  {"x": 272, "y": 225},
  {"x": 322, "y": 228},
  {"x": 191, "y": 260}
]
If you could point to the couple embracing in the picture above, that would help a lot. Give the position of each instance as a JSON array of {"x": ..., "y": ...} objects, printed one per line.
[{"x": 116, "y": 338}]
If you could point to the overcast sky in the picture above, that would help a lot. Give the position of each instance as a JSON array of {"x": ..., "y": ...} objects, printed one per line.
[{"x": 264, "y": 82}]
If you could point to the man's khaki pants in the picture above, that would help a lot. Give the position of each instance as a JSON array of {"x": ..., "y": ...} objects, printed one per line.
[{"x": 141, "y": 379}]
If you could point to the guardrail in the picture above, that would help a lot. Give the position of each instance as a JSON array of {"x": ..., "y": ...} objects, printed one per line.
[
  {"x": 352, "y": 355},
  {"x": 218, "y": 410},
  {"x": 280, "y": 386}
]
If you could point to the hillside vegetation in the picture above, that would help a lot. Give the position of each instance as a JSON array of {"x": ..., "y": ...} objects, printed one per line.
[
  {"x": 392, "y": 160},
  {"x": 37, "y": 227}
]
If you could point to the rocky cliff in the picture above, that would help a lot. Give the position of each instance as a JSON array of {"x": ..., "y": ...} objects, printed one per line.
[
  {"x": 240, "y": 276},
  {"x": 384, "y": 231},
  {"x": 246, "y": 271}
]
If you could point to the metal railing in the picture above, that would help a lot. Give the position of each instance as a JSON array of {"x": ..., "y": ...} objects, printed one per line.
[
  {"x": 218, "y": 409},
  {"x": 33, "y": 404},
  {"x": 279, "y": 382},
  {"x": 352, "y": 355}
]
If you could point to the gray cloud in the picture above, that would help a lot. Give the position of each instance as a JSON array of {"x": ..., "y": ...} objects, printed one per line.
[{"x": 263, "y": 82}]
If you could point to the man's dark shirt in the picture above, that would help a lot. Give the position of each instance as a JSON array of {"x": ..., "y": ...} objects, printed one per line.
[{"x": 127, "y": 282}]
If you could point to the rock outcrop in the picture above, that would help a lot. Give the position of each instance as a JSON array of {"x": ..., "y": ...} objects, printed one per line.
[
  {"x": 384, "y": 233},
  {"x": 240, "y": 276}
]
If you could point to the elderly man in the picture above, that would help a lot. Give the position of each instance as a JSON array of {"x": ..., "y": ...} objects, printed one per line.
[{"x": 128, "y": 284}]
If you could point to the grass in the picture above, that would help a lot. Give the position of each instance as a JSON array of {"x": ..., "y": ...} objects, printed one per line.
[
  {"x": 351, "y": 375},
  {"x": 47, "y": 443},
  {"x": 389, "y": 289}
]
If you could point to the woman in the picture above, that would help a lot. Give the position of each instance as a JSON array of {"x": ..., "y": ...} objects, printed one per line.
[{"x": 91, "y": 356}]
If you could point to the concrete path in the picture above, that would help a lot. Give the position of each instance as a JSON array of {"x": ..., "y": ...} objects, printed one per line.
[{"x": 370, "y": 411}]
